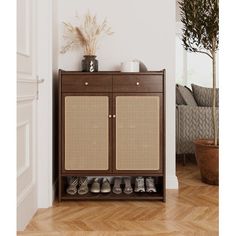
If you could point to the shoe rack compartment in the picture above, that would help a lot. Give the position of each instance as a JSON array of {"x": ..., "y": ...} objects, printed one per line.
[
  {"x": 112, "y": 196},
  {"x": 111, "y": 124}
]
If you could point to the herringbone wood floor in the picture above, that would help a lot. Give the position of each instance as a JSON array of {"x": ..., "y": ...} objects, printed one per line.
[{"x": 190, "y": 211}]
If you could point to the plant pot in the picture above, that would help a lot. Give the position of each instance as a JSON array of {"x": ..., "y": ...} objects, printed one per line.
[
  {"x": 207, "y": 155},
  {"x": 89, "y": 64}
]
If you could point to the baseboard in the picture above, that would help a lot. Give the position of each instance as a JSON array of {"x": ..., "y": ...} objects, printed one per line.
[{"x": 172, "y": 182}]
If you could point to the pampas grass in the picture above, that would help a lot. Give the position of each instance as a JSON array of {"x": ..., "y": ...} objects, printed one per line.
[{"x": 87, "y": 35}]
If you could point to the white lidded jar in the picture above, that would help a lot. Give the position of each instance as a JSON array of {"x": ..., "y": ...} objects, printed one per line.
[{"x": 130, "y": 66}]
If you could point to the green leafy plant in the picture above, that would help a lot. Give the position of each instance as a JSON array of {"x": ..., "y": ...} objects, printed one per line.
[
  {"x": 87, "y": 35},
  {"x": 200, "y": 20}
]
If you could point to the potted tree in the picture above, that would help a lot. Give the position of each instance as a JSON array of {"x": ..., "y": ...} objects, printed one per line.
[{"x": 200, "y": 20}]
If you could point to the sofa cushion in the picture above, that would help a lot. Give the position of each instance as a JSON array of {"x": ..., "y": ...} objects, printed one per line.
[
  {"x": 203, "y": 95},
  {"x": 186, "y": 95}
]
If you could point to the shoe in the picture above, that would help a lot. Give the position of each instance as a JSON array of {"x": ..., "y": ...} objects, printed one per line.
[
  {"x": 106, "y": 187},
  {"x": 139, "y": 185},
  {"x": 150, "y": 185},
  {"x": 83, "y": 186},
  {"x": 116, "y": 188},
  {"x": 72, "y": 185},
  {"x": 128, "y": 188},
  {"x": 95, "y": 188}
]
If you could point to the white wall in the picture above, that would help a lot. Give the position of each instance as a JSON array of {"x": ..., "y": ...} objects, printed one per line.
[{"x": 144, "y": 30}]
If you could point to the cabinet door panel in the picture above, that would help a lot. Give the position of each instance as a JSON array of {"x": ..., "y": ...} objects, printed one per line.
[
  {"x": 138, "y": 132},
  {"x": 86, "y": 133}
]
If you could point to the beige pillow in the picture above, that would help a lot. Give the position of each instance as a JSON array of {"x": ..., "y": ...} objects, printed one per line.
[
  {"x": 203, "y": 95},
  {"x": 187, "y": 95},
  {"x": 179, "y": 99}
]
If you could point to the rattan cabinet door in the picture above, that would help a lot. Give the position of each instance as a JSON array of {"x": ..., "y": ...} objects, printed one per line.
[
  {"x": 138, "y": 133},
  {"x": 86, "y": 133}
]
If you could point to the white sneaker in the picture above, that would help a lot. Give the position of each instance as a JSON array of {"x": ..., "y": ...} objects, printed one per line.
[
  {"x": 95, "y": 188},
  {"x": 106, "y": 187}
]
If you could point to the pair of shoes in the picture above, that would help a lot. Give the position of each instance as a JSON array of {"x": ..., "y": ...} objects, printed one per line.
[
  {"x": 73, "y": 182},
  {"x": 106, "y": 187},
  {"x": 150, "y": 185},
  {"x": 117, "y": 188}
]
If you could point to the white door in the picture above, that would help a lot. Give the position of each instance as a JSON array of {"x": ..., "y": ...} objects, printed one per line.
[{"x": 26, "y": 113}]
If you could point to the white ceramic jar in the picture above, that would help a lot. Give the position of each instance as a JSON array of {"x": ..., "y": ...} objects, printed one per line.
[{"x": 130, "y": 66}]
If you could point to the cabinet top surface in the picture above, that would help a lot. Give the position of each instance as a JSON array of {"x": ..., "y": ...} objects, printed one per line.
[{"x": 161, "y": 72}]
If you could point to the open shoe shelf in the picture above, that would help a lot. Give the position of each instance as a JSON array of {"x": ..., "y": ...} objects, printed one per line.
[{"x": 112, "y": 196}]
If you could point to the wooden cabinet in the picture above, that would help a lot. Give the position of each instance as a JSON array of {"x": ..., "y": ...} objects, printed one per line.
[{"x": 112, "y": 124}]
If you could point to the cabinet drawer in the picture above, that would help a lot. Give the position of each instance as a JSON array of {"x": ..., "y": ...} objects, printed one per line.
[
  {"x": 87, "y": 83},
  {"x": 138, "y": 83}
]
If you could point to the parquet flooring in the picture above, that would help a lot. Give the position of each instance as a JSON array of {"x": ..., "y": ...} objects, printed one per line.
[{"x": 190, "y": 211}]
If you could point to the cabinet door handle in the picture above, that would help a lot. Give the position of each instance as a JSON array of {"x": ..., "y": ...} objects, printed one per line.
[
  {"x": 86, "y": 83},
  {"x": 114, "y": 116},
  {"x": 110, "y": 116},
  {"x": 137, "y": 83}
]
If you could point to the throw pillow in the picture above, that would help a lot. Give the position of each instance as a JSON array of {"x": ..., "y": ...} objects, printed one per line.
[
  {"x": 203, "y": 95},
  {"x": 179, "y": 99},
  {"x": 187, "y": 95}
]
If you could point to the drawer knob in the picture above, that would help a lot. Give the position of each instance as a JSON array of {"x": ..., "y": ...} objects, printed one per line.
[
  {"x": 109, "y": 116},
  {"x": 114, "y": 116},
  {"x": 137, "y": 83},
  {"x": 86, "y": 83}
]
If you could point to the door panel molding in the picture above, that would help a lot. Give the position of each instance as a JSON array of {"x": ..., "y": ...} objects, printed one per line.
[
  {"x": 27, "y": 81},
  {"x": 23, "y": 28},
  {"x": 26, "y": 161},
  {"x": 26, "y": 152},
  {"x": 24, "y": 194}
]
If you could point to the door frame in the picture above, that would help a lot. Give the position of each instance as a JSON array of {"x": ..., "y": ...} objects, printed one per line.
[{"x": 44, "y": 14}]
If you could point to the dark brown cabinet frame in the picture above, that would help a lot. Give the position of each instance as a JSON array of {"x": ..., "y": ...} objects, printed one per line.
[{"x": 71, "y": 83}]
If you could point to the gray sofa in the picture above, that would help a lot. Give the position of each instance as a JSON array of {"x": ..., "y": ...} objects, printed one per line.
[{"x": 193, "y": 116}]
